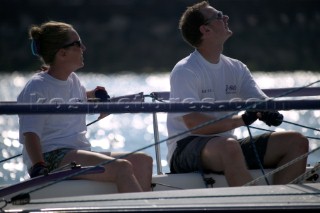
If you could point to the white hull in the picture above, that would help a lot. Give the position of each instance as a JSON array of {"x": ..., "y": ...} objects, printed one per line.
[
  {"x": 273, "y": 198},
  {"x": 171, "y": 192},
  {"x": 165, "y": 182}
]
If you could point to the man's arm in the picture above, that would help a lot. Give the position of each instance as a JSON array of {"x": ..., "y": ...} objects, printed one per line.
[{"x": 194, "y": 119}]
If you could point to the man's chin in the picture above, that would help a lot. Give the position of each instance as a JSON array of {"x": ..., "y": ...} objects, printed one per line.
[{"x": 229, "y": 34}]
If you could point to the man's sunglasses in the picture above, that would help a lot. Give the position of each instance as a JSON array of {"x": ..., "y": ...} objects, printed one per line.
[
  {"x": 75, "y": 43},
  {"x": 218, "y": 16}
]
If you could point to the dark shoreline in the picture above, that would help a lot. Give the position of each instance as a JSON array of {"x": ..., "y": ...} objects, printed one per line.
[{"x": 143, "y": 36}]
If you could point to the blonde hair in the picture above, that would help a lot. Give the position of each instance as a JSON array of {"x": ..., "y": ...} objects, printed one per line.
[{"x": 48, "y": 38}]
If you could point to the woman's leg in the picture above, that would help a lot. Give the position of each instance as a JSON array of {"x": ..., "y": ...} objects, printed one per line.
[
  {"x": 142, "y": 168},
  {"x": 119, "y": 171}
]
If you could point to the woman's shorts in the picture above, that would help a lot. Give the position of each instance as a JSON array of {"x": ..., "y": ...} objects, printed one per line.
[
  {"x": 54, "y": 158},
  {"x": 187, "y": 155}
]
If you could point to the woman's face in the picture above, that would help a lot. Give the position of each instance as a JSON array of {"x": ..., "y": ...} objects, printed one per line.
[{"x": 74, "y": 50}]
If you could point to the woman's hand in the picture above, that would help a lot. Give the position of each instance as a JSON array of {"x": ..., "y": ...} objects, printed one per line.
[{"x": 101, "y": 94}]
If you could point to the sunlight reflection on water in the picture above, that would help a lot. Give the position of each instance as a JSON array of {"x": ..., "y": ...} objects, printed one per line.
[{"x": 129, "y": 132}]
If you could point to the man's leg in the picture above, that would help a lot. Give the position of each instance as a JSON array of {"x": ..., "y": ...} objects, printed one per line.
[
  {"x": 282, "y": 148},
  {"x": 225, "y": 154}
]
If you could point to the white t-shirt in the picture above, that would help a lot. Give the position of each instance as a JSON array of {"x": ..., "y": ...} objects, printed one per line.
[
  {"x": 54, "y": 130},
  {"x": 195, "y": 79}
]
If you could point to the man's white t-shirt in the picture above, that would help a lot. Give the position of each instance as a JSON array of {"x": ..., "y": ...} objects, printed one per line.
[
  {"x": 54, "y": 130},
  {"x": 195, "y": 79}
]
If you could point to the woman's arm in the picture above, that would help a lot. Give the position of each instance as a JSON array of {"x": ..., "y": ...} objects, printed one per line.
[{"x": 33, "y": 146}]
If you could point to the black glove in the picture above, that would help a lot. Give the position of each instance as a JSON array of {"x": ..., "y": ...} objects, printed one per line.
[
  {"x": 102, "y": 94},
  {"x": 38, "y": 169},
  {"x": 271, "y": 118},
  {"x": 249, "y": 117}
]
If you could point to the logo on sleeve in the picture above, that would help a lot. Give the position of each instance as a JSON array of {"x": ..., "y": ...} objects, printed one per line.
[
  {"x": 231, "y": 89},
  {"x": 206, "y": 90}
]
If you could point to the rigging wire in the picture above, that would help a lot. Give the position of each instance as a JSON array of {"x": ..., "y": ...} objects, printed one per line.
[
  {"x": 6, "y": 159},
  {"x": 257, "y": 155},
  {"x": 283, "y": 166},
  {"x": 268, "y": 130},
  {"x": 294, "y": 160},
  {"x": 184, "y": 133},
  {"x": 306, "y": 175},
  {"x": 300, "y": 125},
  {"x": 156, "y": 98}
]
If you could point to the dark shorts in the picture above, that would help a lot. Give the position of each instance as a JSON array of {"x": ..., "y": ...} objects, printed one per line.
[
  {"x": 187, "y": 155},
  {"x": 54, "y": 158}
]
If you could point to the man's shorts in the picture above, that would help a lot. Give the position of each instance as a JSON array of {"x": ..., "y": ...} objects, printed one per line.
[{"x": 187, "y": 155}]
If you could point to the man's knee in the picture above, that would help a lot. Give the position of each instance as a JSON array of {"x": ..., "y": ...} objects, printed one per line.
[
  {"x": 232, "y": 147},
  {"x": 228, "y": 147},
  {"x": 301, "y": 142}
]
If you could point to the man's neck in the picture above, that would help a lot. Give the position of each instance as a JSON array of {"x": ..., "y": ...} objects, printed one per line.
[{"x": 211, "y": 54}]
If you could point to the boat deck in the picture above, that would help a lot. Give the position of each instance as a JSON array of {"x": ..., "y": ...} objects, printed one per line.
[{"x": 273, "y": 198}]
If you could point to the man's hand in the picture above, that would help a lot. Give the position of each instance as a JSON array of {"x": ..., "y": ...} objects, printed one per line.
[
  {"x": 271, "y": 118},
  {"x": 249, "y": 117},
  {"x": 39, "y": 169}
]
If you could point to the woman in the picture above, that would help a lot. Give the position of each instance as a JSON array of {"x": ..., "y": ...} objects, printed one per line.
[{"x": 52, "y": 141}]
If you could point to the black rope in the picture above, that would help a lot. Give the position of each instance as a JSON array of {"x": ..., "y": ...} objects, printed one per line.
[
  {"x": 257, "y": 155},
  {"x": 18, "y": 155},
  {"x": 10, "y": 158},
  {"x": 159, "y": 142},
  {"x": 296, "y": 124},
  {"x": 268, "y": 130}
]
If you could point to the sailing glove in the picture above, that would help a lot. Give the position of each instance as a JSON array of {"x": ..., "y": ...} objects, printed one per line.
[
  {"x": 249, "y": 117},
  {"x": 271, "y": 118},
  {"x": 102, "y": 94},
  {"x": 38, "y": 169}
]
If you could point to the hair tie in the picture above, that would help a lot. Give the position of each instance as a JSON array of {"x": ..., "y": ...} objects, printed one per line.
[{"x": 34, "y": 48}]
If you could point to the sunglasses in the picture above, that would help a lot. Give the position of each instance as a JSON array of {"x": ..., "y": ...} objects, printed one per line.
[
  {"x": 75, "y": 43},
  {"x": 217, "y": 16}
]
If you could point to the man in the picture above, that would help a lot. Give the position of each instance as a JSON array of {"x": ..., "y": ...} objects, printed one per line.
[{"x": 208, "y": 74}]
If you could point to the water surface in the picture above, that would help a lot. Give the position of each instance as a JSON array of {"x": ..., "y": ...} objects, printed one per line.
[{"x": 130, "y": 132}]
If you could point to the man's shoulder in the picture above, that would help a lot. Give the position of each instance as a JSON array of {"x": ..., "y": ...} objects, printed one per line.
[
  {"x": 188, "y": 62},
  {"x": 230, "y": 60}
]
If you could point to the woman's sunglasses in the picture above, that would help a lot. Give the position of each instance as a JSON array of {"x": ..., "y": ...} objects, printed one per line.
[{"x": 75, "y": 43}]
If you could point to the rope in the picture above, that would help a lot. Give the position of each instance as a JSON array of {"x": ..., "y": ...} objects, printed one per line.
[
  {"x": 185, "y": 132},
  {"x": 257, "y": 155},
  {"x": 18, "y": 155},
  {"x": 311, "y": 128},
  {"x": 282, "y": 167},
  {"x": 306, "y": 175},
  {"x": 10, "y": 158}
]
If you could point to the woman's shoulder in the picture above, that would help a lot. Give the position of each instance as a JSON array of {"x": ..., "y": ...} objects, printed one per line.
[{"x": 37, "y": 78}]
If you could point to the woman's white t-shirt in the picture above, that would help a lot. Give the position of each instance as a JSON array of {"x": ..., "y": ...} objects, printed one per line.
[{"x": 54, "y": 130}]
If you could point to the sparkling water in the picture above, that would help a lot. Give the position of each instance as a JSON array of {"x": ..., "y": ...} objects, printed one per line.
[{"x": 130, "y": 132}]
